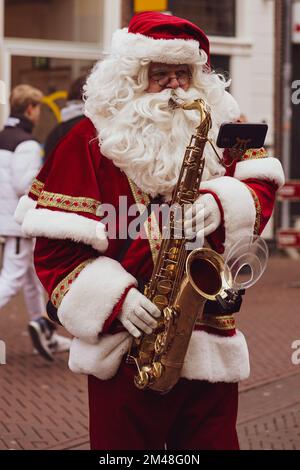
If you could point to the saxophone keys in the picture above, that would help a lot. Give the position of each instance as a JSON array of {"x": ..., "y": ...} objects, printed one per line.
[
  {"x": 171, "y": 270},
  {"x": 159, "y": 343},
  {"x": 161, "y": 301},
  {"x": 173, "y": 253},
  {"x": 141, "y": 380},
  {"x": 157, "y": 369},
  {"x": 168, "y": 314},
  {"x": 164, "y": 286},
  {"x": 190, "y": 194}
]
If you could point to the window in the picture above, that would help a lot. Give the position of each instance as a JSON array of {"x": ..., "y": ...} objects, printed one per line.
[
  {"x": 221, "y": 63},
  {"x": 50, "y": 75},
  {"x": 214, "y": 17},
  {"x": 62, "y": 20}
]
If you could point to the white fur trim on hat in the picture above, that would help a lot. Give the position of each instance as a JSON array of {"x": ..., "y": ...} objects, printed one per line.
[
  {"x": 25, "y": 203},
  {"x": 268, "y": 168},
  {"x": 169, "y": 51},
  {"x": 216, "y": 358},
  {"x": 101, "y": 359},
  {"x": 63, "y": 225},
  {"x": 92, "y": 297},
  {"x": 238, "y": 207}
]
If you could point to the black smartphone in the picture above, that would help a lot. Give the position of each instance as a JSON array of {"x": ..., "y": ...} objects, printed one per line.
[{"x": 245, "y": 135}]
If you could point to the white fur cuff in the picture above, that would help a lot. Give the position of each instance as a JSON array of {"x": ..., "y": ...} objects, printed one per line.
[
  {"x": 216, "y": 358},
  {"x": 24, "y": 205},
  {"x": 101, "y": 359},
  {"x": 209, "y": 357},
  {"x": 238, "y": 206},
  {"x": 63, "y": 225},
  {"x": 92, "y": 297},
  {"x": 263, "y": 168}
]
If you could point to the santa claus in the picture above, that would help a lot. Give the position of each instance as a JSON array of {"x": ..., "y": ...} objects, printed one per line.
[{"x": 132, "y": 144}]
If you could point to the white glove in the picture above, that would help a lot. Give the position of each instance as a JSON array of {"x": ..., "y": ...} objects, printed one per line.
[
  {"x": 137, "y": 313},
  {"x": 202, "y": 218}
]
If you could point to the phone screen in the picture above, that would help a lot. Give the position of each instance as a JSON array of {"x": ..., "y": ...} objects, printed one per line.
[{"x": 242, "y": 135}]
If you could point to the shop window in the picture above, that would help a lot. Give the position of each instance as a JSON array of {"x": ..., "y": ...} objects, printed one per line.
[
  {"x": 53, "y": 80},
  {"x": 221, "y": 64},
  {"x": 214, "y": 17},
  {"x": 62, "y": 20}
]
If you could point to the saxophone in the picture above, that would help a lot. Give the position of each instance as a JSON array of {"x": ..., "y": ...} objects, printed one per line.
[{"x": 182, "y": 281}]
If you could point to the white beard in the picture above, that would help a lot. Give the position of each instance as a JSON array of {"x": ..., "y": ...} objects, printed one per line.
[{"x": 147, "y": 140}]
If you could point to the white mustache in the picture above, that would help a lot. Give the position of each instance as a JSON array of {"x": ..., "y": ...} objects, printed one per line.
[{"x": 156, "y": 107}]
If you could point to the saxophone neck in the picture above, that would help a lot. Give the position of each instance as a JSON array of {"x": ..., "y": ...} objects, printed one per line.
[{"x": 196, "y": 105}]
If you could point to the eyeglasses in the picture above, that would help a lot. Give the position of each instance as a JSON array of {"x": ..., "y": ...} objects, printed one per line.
[{"x": 163, "y": 77}]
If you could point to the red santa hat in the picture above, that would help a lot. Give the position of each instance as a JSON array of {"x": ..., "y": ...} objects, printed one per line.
[{"x": 161, "y": 38}]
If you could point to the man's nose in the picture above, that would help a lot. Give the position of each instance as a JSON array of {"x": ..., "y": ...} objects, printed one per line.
[{"x": 173, "y": 82}]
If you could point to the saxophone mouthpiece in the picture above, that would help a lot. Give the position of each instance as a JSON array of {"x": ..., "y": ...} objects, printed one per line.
[
  {"x": 197, "y": 104},
  {"x": 175, "y": 101}
]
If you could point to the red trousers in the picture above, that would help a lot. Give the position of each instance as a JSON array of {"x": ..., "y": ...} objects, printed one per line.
[{"x": 194, "y": 415}]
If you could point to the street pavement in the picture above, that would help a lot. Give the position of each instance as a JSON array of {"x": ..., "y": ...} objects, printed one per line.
[{"x": 44, "y": 406}]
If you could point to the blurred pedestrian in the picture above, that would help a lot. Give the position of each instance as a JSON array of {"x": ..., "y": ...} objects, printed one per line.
[
  {"x": 20, "y": 161},
  {"x": 71, "y": 114}
]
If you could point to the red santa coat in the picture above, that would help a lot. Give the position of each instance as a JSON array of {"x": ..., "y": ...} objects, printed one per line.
[{"x": 76, "y": 260}]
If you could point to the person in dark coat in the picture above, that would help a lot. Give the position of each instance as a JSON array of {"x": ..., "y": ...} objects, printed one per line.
[{"x": 71, "y": 114}]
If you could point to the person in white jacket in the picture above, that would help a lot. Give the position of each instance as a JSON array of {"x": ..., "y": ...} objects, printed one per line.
[{"x": 20, "y": 161}]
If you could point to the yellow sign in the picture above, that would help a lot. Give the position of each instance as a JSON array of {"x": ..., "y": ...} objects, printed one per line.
[
  {"x": 50, "y": 101},
  {"x": 150, "y": 5}
]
